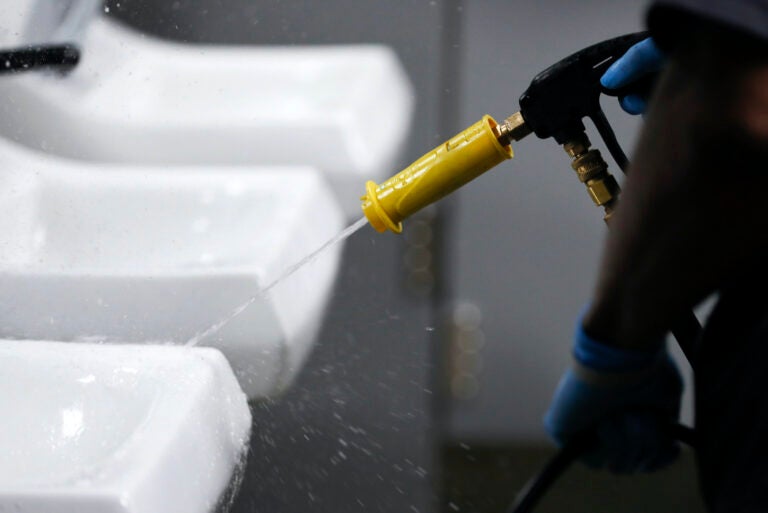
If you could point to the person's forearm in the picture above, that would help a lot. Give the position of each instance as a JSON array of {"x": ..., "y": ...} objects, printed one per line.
[{"x": 693, "y": 214}]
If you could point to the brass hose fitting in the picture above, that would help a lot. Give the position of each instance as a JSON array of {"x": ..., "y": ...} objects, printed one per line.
[
  {"x": 592, "y": 171},
  {"x": 511, "y": 129}
]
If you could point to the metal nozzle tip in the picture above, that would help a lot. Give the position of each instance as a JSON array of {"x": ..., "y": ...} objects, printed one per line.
[
  {"x": 376, "y": 215},
  {"x": 512, "y": 129}
]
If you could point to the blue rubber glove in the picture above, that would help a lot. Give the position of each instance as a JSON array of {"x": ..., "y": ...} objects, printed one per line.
[
  {"x": 628, "y": 399},
  {"x": 642, "y": 59}
]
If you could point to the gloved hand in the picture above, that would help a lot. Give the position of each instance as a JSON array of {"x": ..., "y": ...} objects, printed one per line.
[
  {"x": 642, "y": 59},
  {"x": 626, "y": 398}
]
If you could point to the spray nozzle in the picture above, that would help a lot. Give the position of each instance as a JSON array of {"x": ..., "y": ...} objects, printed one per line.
[
  {"x": 441, "y": 171},
  {"x": 554, "y": 105}
]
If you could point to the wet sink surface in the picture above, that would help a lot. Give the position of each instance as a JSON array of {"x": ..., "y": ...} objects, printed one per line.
[
  {"x": 112, "y": 428},
  {"x": 158, "y": 255}
]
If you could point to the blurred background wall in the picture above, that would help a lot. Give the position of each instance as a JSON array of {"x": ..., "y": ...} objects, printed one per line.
[
  {"x": 416, "y": 367},
  {"x": 528, "y": 238}
]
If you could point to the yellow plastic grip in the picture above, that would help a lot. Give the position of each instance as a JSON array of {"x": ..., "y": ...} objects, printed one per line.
[{"x": 461, "y": 159}]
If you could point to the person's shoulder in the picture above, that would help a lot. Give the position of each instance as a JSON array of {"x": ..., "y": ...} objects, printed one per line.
[{"x": 667, "y": 19}]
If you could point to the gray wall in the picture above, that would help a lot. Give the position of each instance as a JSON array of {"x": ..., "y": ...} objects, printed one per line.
[{"x": 527, "y": 237}]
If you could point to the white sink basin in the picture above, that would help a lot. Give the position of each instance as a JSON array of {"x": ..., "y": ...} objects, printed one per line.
[
  {"x": 102, "y": 429},
  {"x": 151, "y": 255},
  {"x": 342, "y": 109}
]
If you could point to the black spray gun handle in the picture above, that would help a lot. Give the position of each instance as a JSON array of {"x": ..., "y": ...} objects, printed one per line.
[
  {"x": 554, "y": 105},
  {"x": 561, "y": 96}
]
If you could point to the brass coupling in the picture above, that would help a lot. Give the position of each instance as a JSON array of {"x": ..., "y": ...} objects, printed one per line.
[
  {"x": 592, "y": 171},
  {"x": 511, "y": 129}
]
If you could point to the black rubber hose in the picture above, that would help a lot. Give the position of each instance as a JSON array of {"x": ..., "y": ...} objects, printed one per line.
[
  {"x": 537, "y": 486},
  {"x": 609, "y": 138},
  {"x": 63, "y": 57},
  {"x": 535, "y": 489}
]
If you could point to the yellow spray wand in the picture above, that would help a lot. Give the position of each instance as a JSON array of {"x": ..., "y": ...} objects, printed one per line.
[
  {"x": 459, "y": 160},
  {"x": 553, "y": 106}
]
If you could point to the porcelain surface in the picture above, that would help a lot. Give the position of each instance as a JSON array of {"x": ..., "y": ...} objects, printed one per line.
[{"x": 103, "y": 428}]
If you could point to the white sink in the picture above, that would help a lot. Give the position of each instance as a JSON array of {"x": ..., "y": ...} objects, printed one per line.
[
  {"x": 131, "y": 254},
  {"x": 101, "y": 428},
  {"x": 152, "y": 255},
  {"x": 342, "y": 109}
]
